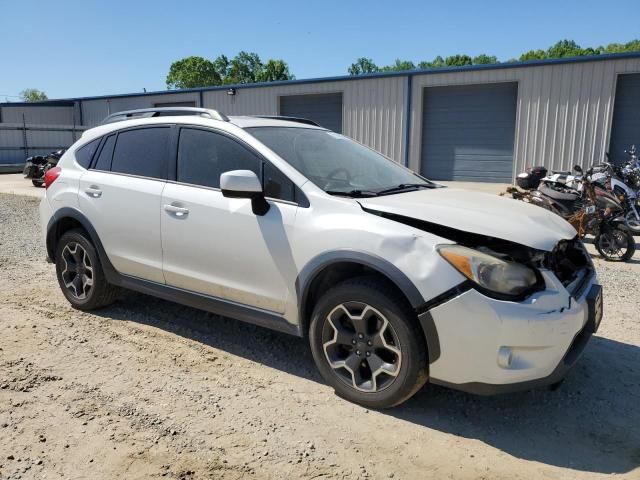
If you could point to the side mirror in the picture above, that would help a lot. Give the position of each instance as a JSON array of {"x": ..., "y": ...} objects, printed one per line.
[
  {"x": 244, "y": 184},
  {"x": 577, "y": 168}
]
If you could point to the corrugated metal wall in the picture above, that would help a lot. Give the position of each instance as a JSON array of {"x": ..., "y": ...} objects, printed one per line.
[
  {"x": 54, "y": 115},
  {"x": 36, "y": 130},
  {"x": 94, "y": 111},
  {"x": 564, "y": 110},
  {"x": 372, "y": 109}
]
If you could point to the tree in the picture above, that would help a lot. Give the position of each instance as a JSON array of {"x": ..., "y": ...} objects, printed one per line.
[
  {"x": 192, "y": 72},
  {"x": 363, "y": 65},
  {"x": 399, "y": 66},
  {"x": 533, "y": 55},
  {"x": 458, "y": 60},
  {"x": 436, "y": 63},
  {"x": 274, "y": 70},
  {"x": 221, "y": 66},
  {"x": 632, "y": 46},
  {"x": 565, "y": 48},
  {"x": 483, "y": 59},
  {"x": 33, "y": 95},
  {"x": 244, "y": 68}
]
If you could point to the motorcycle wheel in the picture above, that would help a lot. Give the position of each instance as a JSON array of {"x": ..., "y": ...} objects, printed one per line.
[
  {"x": 616, "y": 245},
  {"x": 37, "y": 183},
  {"x": 632, "y": 222}
]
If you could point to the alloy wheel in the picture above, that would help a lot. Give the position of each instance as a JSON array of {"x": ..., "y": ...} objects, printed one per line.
[
  {"x": 361, "y": 346},
  {"x": 77, "y": 272},
  {"x": 613, "y": 244}
]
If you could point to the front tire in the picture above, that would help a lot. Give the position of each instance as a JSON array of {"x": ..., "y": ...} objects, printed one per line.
[
  {"x": 367, "y": 344},
  {"x": 37, "y": 183},
  {"x": 80, "y": 273},
  {"x": 615, "y": 245}
]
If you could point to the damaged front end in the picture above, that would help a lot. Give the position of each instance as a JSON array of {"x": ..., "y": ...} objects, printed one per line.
[{"x": 569, "y": 260}]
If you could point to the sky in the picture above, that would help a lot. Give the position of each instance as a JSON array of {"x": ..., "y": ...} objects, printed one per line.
[{"x": 84, "y": 48}]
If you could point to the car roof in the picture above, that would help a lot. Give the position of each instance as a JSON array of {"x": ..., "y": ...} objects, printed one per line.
[
  {"x": 240, "y": 121},
  {"x": 247, "y": 121}
]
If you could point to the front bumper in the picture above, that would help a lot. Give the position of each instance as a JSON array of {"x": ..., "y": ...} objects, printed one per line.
[{"x": 489, "y": 346}]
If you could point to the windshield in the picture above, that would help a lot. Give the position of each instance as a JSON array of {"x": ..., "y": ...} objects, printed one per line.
[{"x": 337, "y": 164}]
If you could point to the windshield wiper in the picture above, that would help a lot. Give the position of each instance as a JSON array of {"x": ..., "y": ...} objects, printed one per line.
[
  {"x": 405, "y": 186},
  {"x": 353, "y": 193}
]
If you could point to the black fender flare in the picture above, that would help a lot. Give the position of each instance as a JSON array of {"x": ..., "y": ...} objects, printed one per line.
[
  {"x": 318, "y": 263},
  {"x": 51, "y": 239}
]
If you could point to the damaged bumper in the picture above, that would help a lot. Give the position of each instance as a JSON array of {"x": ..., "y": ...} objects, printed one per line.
[{"x": 489, "y": 346}]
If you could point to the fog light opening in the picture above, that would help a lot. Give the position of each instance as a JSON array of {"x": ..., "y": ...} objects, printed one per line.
[{"x": 505, "y": 357}]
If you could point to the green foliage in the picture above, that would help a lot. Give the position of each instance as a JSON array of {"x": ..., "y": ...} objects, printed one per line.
[
  {"x": 246, "y": 67},
  {"x": 632, "y": 46},
  {"x": 399, "y": 66},
  {"x": 274, "y": 70},
  {"x": 533, "y": 55},
  {"x": 562, "y": 49},
  {"x": 363, "y": 65},
  {"x": 192, "y": 72},
  {"x": 458, "y": 60},
  {"x": 483, "y": 59},
  {"x": 33, "y": 95}
]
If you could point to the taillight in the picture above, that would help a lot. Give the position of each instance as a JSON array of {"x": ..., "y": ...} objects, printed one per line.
[{"x": 51, "y": 176}]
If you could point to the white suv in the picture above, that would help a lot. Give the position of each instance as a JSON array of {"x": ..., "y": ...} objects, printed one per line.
[{"x": 279, "y": 222}]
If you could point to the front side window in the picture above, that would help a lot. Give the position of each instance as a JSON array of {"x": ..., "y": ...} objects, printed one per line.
[
  {"x": 336, "y": 163},
  {"x": 142, "y": 152},
  {"x": 204, "y": 155}
]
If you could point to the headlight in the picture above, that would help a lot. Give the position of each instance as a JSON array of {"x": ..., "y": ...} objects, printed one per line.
[{"x": 510, "y": 279}]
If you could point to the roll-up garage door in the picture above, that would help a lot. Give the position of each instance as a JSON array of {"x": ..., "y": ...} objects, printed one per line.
[
  {"x": 324, "y": 109},
  {"x": 468, "y": 132},
  {"x": 625, "y": 129}
]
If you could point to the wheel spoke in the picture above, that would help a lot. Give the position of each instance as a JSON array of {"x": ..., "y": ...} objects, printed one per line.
[
  {"x": 353, "y": 363},
  {"x": 378, "y": 365}
]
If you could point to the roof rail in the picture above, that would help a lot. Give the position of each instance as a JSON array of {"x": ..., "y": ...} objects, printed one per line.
[
  {"x": 165, "y": 112},
  {"x": 289, "y": 119}
]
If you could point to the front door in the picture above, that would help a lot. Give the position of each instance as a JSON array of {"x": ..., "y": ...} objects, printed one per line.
[{"x": 215, "y": 245}]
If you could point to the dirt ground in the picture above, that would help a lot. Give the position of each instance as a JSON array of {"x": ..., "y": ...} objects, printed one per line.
[{"x": 149, "y": 389}]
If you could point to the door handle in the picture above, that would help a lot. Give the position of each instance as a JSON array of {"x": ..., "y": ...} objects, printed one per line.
[
  {"x": 177, "y": 211},
  {"x": 94, "y": 191}
]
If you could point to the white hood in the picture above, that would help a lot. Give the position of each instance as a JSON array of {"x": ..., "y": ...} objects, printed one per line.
[{"x": 479, "y": 213}]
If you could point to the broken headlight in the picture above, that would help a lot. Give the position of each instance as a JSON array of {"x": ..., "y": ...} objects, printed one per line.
[{"x": 493, "y": 275}]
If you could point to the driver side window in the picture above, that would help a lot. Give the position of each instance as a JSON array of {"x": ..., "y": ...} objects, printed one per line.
[{"x": 204, "y": 155}]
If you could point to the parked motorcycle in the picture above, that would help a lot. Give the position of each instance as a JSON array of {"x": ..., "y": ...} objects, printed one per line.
[
  {"x": 38, "y": 165},
  {"x": 624, "y": 181},
  {"x": 591, "y": 209}
]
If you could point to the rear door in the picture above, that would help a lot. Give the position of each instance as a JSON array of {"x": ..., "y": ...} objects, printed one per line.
[
  {"x": 121, "y": 196},
  {"x": 217, "y": 246}
]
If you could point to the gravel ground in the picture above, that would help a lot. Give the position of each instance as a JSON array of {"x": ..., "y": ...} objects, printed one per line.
[{"x": 149, "y": 389}]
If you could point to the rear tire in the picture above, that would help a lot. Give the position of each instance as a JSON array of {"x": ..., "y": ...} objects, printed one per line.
[
  {"x": 80, "y": 273},
  {"x": 367, "y": 344},
  {"x": 616, "y": 245},
  {"x": 37, "y": 183}
]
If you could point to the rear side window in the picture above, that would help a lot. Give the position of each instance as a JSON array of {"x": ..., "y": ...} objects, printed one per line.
[
  {"x": 104, "y": 158},
  {"x": 142, "y": 152},
  {"x": 203, "y": 156},
  {"x": 85, "y": 153}
]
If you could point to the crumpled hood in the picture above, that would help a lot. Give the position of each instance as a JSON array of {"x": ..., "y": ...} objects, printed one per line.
[{"x": 479, "y": 213}]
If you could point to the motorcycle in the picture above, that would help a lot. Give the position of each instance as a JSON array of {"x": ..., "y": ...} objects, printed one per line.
[
  {"x": 36, "y": 166},
  {"x": 588, "y": 207},
  {"x": 624, "y": 182}
]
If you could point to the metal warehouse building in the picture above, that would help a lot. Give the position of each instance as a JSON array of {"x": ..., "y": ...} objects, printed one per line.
[{"x": 477, "y": 123}]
